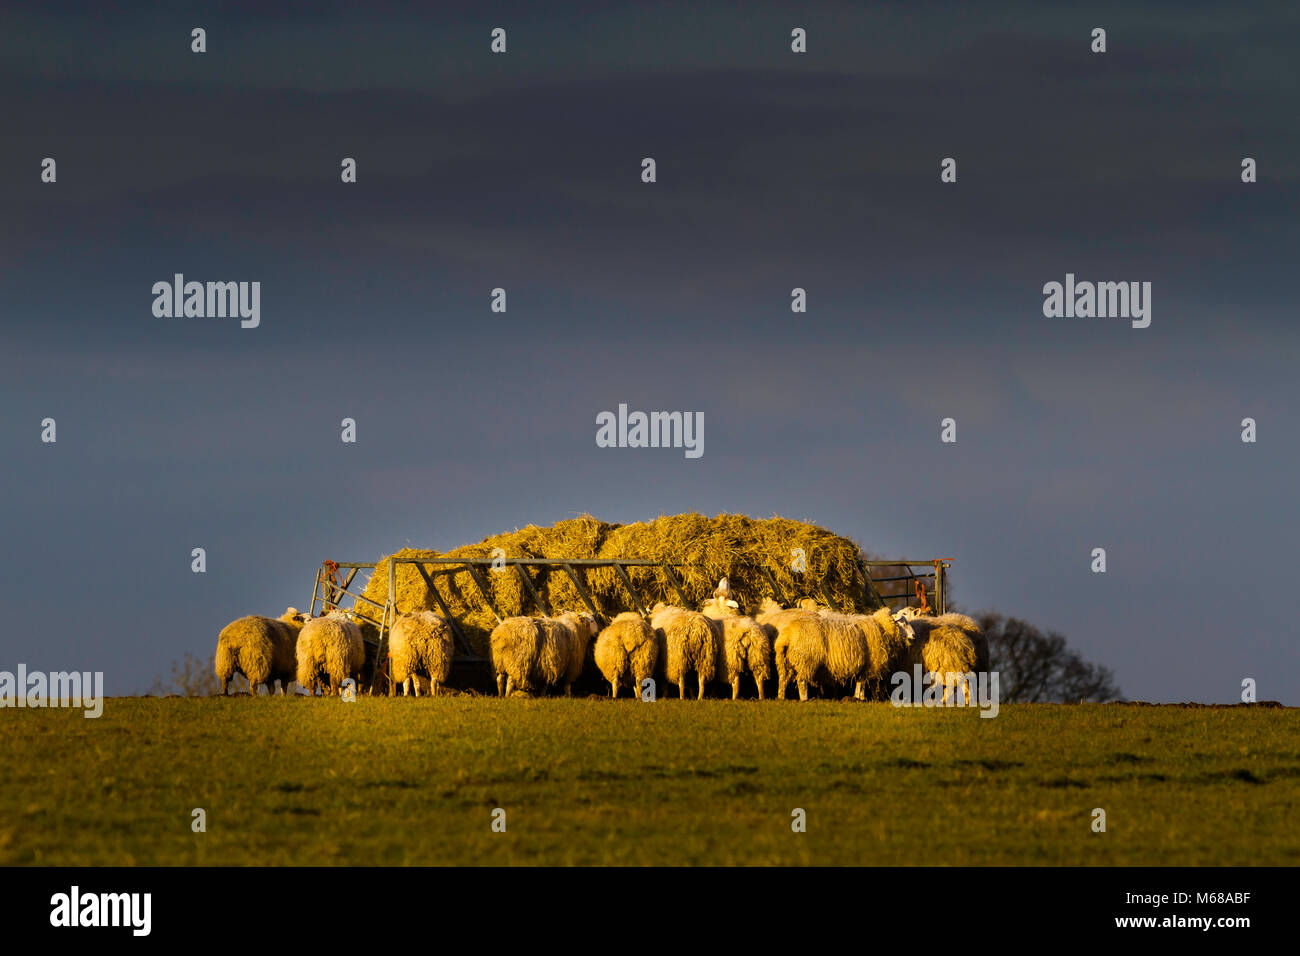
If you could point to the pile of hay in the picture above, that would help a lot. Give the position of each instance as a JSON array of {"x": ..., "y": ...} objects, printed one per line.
[{"x": 735, "y": 546}]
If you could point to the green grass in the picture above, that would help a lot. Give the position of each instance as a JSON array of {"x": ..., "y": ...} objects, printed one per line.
[{"x": 316, "y": 781}]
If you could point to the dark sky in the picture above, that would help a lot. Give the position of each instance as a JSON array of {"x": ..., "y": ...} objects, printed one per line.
[{"x": 775, "y": 170}]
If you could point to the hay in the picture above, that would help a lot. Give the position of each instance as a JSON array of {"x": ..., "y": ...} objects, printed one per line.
[{"x": 733, "y": 546}]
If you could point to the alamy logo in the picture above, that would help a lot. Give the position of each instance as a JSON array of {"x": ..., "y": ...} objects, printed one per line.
[
  {"x": 925, "y": 689},
  {"x": 1102, "y": 300},
  {"x": 655, "y": 430},
  {"x": 74, "y": 908},
  {"x": 58, "y": 689},
  {"x": 213, "y": 300}
]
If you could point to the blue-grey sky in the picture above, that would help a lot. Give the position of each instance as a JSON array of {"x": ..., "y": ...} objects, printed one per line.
[{"x": 775, "y": 170}]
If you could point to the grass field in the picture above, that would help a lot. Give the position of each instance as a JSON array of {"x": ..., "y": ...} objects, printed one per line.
[{"x": 317, "y": 781}]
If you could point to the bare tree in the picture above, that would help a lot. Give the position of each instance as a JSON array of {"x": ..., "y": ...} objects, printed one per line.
[
  {"x": 190, "y": 677},
  {"x": 1034, "y": 666}
]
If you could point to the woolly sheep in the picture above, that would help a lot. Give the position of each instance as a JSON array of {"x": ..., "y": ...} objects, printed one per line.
[
  {"x": 420, "y": 645},
  {"x": 689, "y": 645},
  {"x": 848, "y": 649},
  {"x": 945, "y": 650},
  {"x": 260, "y": 648},
  {"x": 532, "y": 652},
  {"x": 785, "y": 627},
  {"x": 627, "y": 651},
  {"x": 887, "y": 641},
  {"x": 744, "y": 646},
  {"x": 952, "y": 619},
  {"x": 330, "y": 650}
]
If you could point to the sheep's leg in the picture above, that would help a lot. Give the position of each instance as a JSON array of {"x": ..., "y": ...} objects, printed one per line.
[
  {"x": 568, "y": 690},
  {"x": 735, "y": 688},
  {"x": 758, "y": 682},
  {"x": 700, "y": 677},
  {"x": 613, "y": 688},
  {"x": 510, "y": 686},
  {"x": 224, "y": 686},
  {"x": 803, "y": 689}
]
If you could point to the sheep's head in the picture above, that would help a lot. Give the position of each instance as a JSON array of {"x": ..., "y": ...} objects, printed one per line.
[
  {"x": 807, "y": 604},
  {"x": 723, "y": 590},
  {"x": 720, "y": 606},
  {"x": 588, "y": 625},
  {"x": 292, "y": 615},
  {"x": 908, "y": 632},
  {"x": 769, "y": 606}
]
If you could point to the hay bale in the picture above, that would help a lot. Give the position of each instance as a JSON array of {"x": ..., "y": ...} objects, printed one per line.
[{"x": 733, "y": 546}]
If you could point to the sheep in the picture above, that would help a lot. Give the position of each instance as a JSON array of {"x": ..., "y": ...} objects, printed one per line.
[
  {"x": 952, "y": 619},
  {"x": 627, "y": 651},
  {"x": 566, "y": 640},
  {"x": 689, "y": 645},
  {"x": 260, "y": 648},
  {"x": 815, "y": 643},
  {"x": 330, "y": 650},
  {"x": 781, "y": 625},
  {"x": 847, "y": 659},
  {"x": 532, "y": 651},
  {"x": 744, "y": 646},
  {"x": 420, "y": 645},
  {"x": 887, "y": 641},
  {"x": 946, "y": 650}
]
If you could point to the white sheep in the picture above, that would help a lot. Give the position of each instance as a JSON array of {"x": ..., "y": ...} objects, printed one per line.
[
  {"x": 961, "y": 621},
  {"x": 744, "y": 646},
  {"x": 784, "y": 627},
  {"x": 421, "y": 646},
  {"x": 689, "y": 645},
  {"x": 330, "y": 650},
  {"x": 887, "y": 642},
  {"x": 945, "y": 648},
  {"x": 627, "y": 651},
  {"x": 532, "y": 652},
  {"x": 812, "y": 645},
  {"x": 260, "y": 648}
]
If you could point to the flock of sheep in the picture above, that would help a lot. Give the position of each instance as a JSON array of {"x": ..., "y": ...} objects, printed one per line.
[{"x": 806, "y": 645}]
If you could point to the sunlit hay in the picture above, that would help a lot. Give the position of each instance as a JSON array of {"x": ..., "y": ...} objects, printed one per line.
[{"x": 737, "y": 547}]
